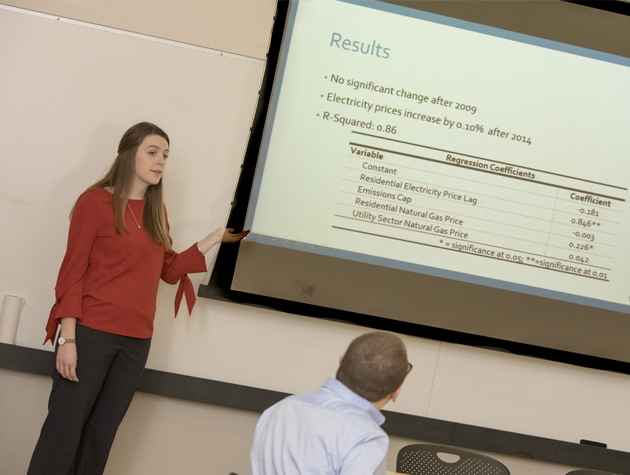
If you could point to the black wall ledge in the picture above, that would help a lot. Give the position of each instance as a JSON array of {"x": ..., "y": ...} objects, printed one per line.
[{"x": 247, "y": 398}]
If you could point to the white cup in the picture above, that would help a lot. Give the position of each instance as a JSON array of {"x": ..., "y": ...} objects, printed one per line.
[{"x": 12, "y": 305}]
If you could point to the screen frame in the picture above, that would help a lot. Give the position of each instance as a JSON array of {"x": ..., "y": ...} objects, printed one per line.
[{"x": 219, "y": 288}]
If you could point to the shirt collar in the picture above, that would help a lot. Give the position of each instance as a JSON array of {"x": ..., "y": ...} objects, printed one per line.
[{"x": 353, "y": 398}]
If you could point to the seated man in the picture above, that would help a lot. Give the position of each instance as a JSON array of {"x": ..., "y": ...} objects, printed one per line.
[{"x": 335, "y": 429}]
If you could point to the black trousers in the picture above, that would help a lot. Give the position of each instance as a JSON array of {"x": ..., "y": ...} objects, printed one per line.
[{"x": 83, "y": 417}]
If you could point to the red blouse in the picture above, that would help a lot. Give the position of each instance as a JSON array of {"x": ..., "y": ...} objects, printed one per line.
[{"x": 109, "y": 281}]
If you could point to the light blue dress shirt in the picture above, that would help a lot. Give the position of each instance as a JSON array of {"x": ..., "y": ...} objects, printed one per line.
[{"x": 330, "y": 431}]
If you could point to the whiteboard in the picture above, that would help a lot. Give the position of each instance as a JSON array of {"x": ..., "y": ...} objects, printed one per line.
[{"x": 68, "y": 91}]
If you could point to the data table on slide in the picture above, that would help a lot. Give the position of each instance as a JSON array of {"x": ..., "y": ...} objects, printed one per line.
[{"x": 482, "y": 206}]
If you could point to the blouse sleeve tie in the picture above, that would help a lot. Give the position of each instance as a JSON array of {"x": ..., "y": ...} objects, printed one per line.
[
  {"x": 51, "y": 326},
  {"x": 185, "y": 288}
]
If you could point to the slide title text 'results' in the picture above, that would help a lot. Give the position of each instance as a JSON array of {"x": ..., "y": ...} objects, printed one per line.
[{"x": 370, "y": 49}]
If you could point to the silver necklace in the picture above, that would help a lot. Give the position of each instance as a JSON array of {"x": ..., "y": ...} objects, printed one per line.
[{"x": 134, "y": 216}]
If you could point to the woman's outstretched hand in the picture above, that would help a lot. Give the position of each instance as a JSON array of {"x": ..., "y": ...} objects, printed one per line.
[
  {"x": 220, "y": 235},
  {"x": 230, "y": 236}
]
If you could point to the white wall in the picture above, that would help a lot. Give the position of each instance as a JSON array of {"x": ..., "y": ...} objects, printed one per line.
[
  {"x": 56, "y": 142},
  {"x": 163, "y": 436}
]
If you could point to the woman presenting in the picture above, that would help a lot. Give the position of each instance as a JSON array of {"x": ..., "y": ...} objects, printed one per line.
[{"x": 118, "y": 249}]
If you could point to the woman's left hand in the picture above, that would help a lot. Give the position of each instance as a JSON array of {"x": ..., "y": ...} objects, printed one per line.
[
  {"x": 218, "y": 236},
  {"x": 229, "y": 236}
]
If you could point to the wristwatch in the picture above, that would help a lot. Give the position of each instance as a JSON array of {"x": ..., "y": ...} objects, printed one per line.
[{"x": 62, "y": 341}]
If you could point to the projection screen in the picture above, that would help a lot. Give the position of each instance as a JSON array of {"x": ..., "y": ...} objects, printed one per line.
[{"x": 423, "y": 169}]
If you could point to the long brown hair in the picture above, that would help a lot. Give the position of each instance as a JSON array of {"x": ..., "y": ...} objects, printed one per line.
[{"x": 119, "y": 180}]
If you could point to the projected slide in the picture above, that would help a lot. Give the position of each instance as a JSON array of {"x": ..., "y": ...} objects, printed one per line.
[{"x": 418, "y": 142}]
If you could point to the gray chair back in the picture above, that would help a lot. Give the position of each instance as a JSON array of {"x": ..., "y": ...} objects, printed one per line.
[{"x": 426, "y": 459}]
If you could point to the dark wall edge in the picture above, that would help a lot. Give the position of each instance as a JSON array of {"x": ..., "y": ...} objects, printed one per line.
[
  {"x": 247, "y": 398},
  {"x": 621, "y": 7}
]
